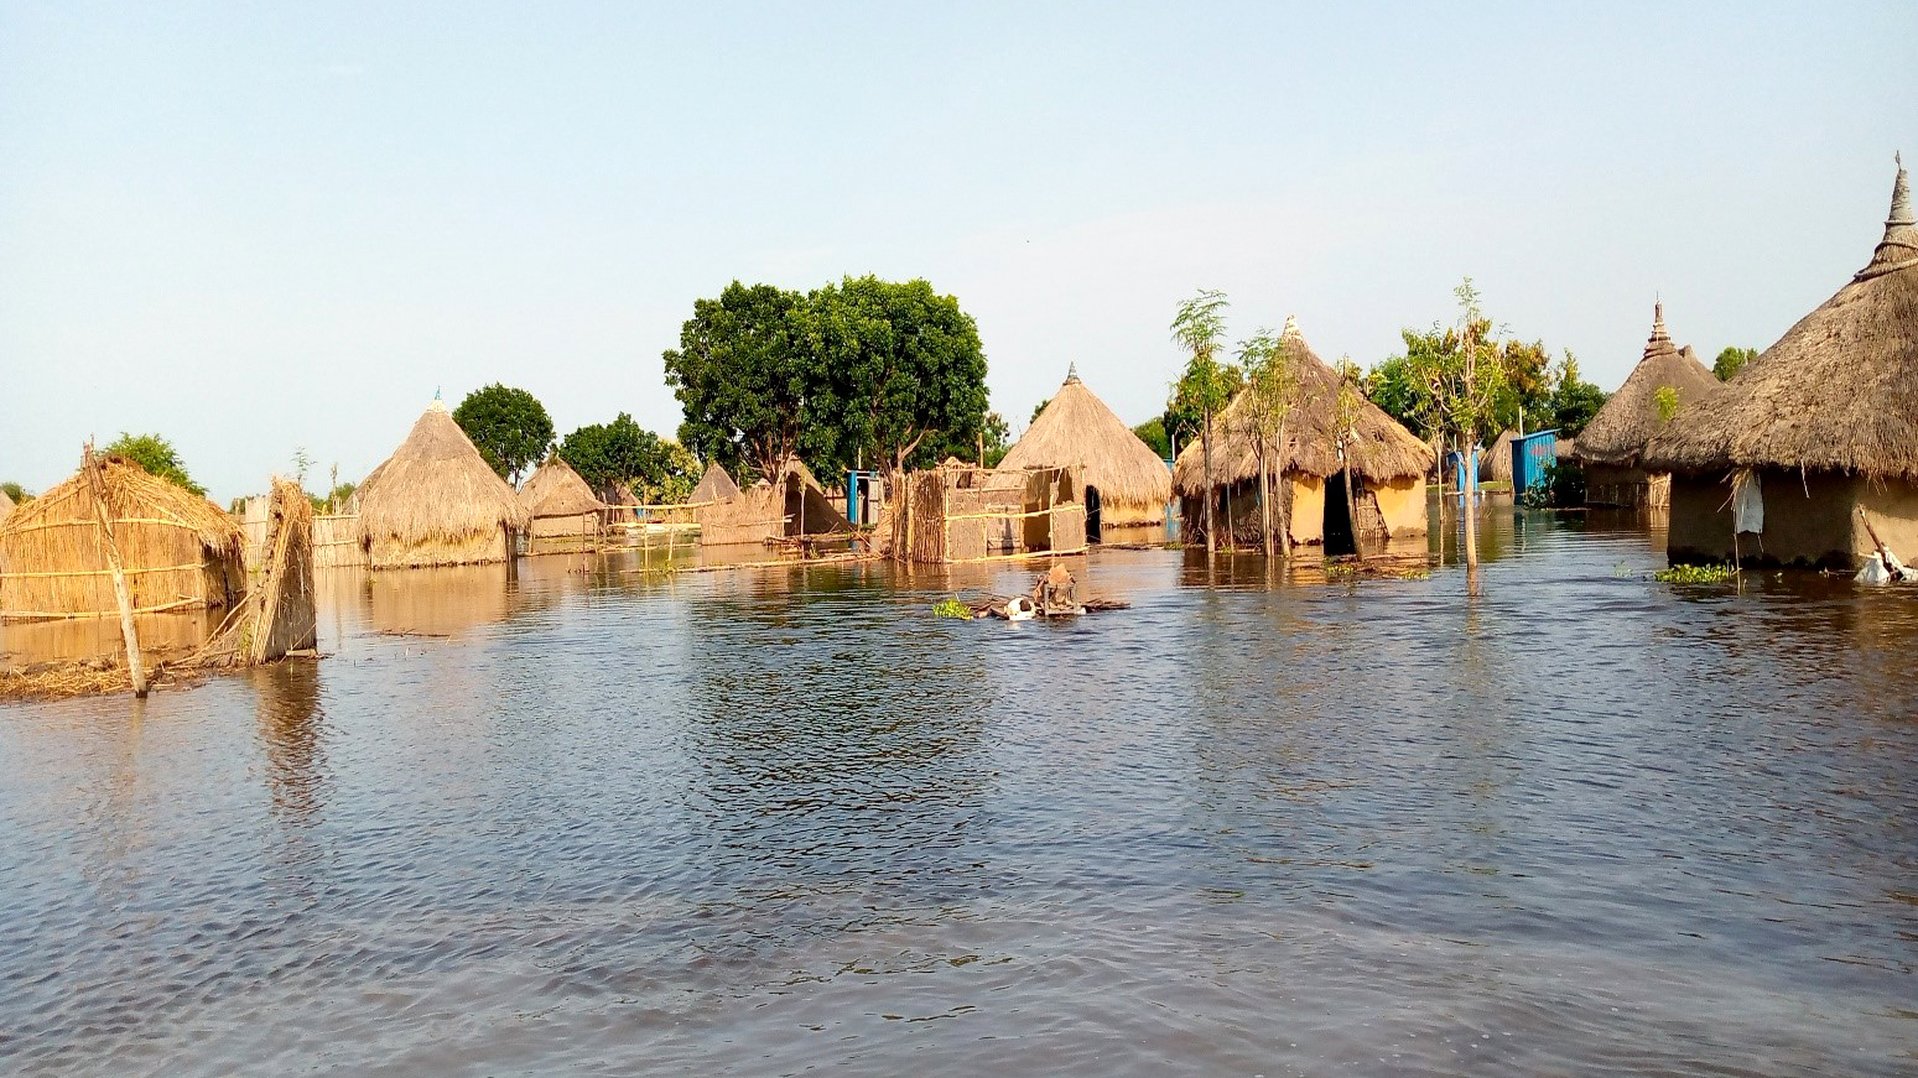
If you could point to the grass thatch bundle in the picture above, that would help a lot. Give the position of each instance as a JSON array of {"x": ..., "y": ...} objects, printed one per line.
[
  {"x": 1379, "y": 449},
  {"x": 556, "y": 490},
  {"x": 1077, "y": 430},
  {"x": 1838, "y": 392},
  {"x": 177, "y": 549},
  {"x": 1617, "y": 435},
  {"x": 1495, "y": 464},
  {"x": 6, "y": 505},
  {"x": 279, "y": 615},
  {"x": 715, "y": 486},
  {"x": 435, "y": 501}
]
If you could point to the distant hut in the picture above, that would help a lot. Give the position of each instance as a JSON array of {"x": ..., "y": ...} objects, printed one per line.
[
  {"x": 1126, "y": 483},
  {"x": 1495, "y": 464},
  {"x": 1611, "y": 445},
  {"x": 789, "y": 505},
  {"x": 564, "y": 512},
  {"x": 1778, "y": 465},
  {"x": 715, "y": 486},
  {"x": 436, "y": 502},
  {"x": 177, "y": 550},
  {"x": 1388, "y": 466}
]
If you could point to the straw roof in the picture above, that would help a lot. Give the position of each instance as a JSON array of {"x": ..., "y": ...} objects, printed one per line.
[
  {"x": 1618, "y": 433},
  {"x": 6, "y": 505},
  {"x": 133, "y": 493},
  {"x": 556, "y": 490},
  {"x": 1380, "y": 449},
  {"x": 1495, "y": 464},
  {"x": 715, "y": 486},
  {"x": 1837, "y": 392},
  {"x": 436, "y": 486},
  {"x": 1077, "y": 429}
]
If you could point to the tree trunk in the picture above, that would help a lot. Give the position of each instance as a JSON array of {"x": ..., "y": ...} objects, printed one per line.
[
  {"x": 96, "y": 485},
  {"x": 1285, "y": 510},
  {"x": 1265, "y": 494},
  {"x": 1205, "y": 450},
  {"x": 1351, "y": 504}
]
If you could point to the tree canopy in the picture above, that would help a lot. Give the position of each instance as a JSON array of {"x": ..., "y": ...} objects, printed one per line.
[
  {"x": 1731, "y": 360},
  {"x": 508, "y": 426},
  {"x": 744, "y": 380},
  {"x": 16, "y": 492},
  {"x": 1574, "y": 401},
  {"x": 157, "y": 456},
  {"x": 659, "y": 471},
  {"x": 1152, "y": 433}
]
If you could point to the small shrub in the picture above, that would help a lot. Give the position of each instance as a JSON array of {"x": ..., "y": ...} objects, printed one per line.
[{"x": 1563, "y": 487}]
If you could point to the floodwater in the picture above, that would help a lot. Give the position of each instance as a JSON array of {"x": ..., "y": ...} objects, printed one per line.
[{"x": 779, "y": 821}]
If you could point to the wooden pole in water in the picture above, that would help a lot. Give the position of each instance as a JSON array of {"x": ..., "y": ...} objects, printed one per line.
[{"x": 97, "y": 486}]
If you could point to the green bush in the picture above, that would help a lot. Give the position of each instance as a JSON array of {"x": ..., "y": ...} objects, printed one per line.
[{"x": 1563, "y": 487}]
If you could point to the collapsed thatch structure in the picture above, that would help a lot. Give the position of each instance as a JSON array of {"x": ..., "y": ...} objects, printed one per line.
[
  {"x": 1612, "y": 444},
  {"x": 1388, "y": 464},
  {"x": 436, "y": 502},
  {"x": 789, "y": 505},
  {"x": 279, "y": 615},
  {"x": 564, "y": 513},
  {"x": 960, "y": 513},
  {"x": 1778, "y": 465},
  {"x": 1125, "y": 481},
  {"x": 177, "y": 550}
]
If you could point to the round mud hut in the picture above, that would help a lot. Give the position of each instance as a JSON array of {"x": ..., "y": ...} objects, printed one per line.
[
  {"x": 563, "y": 512},
  {"x": 436, "y": 502},
  {"x": 177, "y": 550},
  {"x": 1813, "y": 439},
  {"x": 1126, "y": 483},
  {"x": 1388, "y": 466},
  {"x": 1611, "y": 446}
]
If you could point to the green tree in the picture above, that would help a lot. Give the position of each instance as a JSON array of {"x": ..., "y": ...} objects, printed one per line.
[
  {"x": 508, "y": 426},
  {"x": 1459, "y": 374},
  {"x": 1271, "y": 390},
  {"x": 1574, "y": 401},
  {"x": 605, "y": 454},
  {"x": 745, "y": 380},
  {"x": 903, "y": 373},
  {"x": 1036, "y": 409},
  {"x": 1525, "y": 395},
  {"x": 1390, "y": 386},
  {"x": 16, "y": 492},
  {"x": 1198, "y": 326},
  {"x": 1731, "y": 360},
  {"x": 156, "y": 455},
  {"x": 1152, "y": 433}
]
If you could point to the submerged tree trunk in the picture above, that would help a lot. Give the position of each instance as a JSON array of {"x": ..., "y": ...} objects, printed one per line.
[
  {"x": 1469, "y": 512},
  {"x": 1351, "y": 504},
  {"x": 1265, "y": 495},
  {"x": 1205, "y": 451}
]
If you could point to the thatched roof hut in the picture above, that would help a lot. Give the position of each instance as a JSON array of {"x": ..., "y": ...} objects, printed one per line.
[
  {"x": 715, "y": 486},
  {"x": 1838, "y": 392},
  {"x": 436, "y": 502},
  {"x": 791, "y": 506},
  {"x": 177, "y": 550},
  {"x": 1076, "y": 429},
  {"x": 1495, "y": 463},
  {"x": 1618, "y": 433},
  {"x": 556, "y": 490},
  {"x": 1815, "y": 436},
  {"x": 1380, "y": 449},
  {"x": 6, "y": 505},
  {"x": 1388, "y": 463}
]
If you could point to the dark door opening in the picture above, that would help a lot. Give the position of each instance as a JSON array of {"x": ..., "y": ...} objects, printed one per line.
[
  {"x": 1092, "y": 514},
  {"x": 1339, "y": 537}
]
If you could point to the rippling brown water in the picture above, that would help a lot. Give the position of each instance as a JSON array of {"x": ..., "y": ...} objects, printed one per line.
[{"x": 775, "y": 821}]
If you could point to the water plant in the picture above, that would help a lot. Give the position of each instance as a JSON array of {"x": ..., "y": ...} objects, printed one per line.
[
  {"x": 951, "y": 608},
  {"x": 1696, "y": 574}
]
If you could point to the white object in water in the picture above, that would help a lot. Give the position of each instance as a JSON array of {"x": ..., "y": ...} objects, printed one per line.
[
  {"x": 1874, "y": 571},
  {"x": 1020, "y": 608}
]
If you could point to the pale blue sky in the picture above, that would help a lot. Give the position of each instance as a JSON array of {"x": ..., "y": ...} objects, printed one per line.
[{"x": 259, "y": 227}]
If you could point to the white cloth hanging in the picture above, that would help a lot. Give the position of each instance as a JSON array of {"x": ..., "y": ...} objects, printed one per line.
[{"x": 1748, "y": 503}]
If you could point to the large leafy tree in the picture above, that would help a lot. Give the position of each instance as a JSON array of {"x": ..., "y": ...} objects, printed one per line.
[
  {"x": 156, "y": 455},
  {"x": 1152, "y": 433},
  {"x": 659, "y": 471},
  {"x": 508, "y": 426},
  {"x": 1389, "y": 385},
  {"x": 1198, "y": 327},
  {"x": 903, "y": 373},
  {"x": 744, "y": 379},
  {"x": 1731, "y": 360}
]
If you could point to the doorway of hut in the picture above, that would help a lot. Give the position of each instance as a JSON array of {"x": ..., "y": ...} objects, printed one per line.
[
  {"x": 1340, "y": 538},
  {"x": 1092, "y": 514}
]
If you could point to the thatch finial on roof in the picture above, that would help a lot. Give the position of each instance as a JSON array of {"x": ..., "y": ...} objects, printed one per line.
[
  {"x": 1899, "y": 249},
  {"x": 1291, "y": 327},
  {"x": 1072, "y": 372},
  {"x": 1658, "y": 321}
]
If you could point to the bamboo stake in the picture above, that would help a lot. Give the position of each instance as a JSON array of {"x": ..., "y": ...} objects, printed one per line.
[{"x": 97, "y": 484}]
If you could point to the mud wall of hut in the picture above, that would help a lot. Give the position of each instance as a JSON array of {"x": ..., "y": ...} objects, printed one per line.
[
  {"x": 386, "y": 552},
  {"x": 1626, "y": 488},
  {"x": 1810, "y": 519}
]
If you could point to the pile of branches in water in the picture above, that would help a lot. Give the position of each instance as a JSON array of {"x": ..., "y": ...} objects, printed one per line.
[{"x": 87, "y": 677}]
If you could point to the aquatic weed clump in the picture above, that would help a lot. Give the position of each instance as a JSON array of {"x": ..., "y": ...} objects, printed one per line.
[
  {"x": 951, "y": 608},
  {"x": 1696, "y": 574}
]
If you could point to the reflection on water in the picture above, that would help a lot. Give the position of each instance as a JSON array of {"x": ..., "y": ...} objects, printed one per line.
[{"x": 778, "y": 819}]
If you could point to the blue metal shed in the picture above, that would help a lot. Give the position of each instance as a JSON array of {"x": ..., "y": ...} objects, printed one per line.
[{"x": 1532, "y": 454}]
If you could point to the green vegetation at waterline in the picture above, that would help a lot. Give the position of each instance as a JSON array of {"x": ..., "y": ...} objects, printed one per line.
[
  {"x": 952, "y": 608},
  {"x": 1696, "y": 574}
]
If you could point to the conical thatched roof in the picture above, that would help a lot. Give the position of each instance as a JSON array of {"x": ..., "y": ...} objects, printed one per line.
[
  {"x": 134, "y": 495},
  {"x": 1077, "y": 429},
  {"x": 1838, "y": 392},
  {"x": 556, "y": 490},
  {"x": 437, "y": 486},
  {"x": 1381, "y": 449},
  {"x": 1618, "y": 433},
  {"x": 715, "y": 486},
  {"x": 1495, "y": 463}
]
